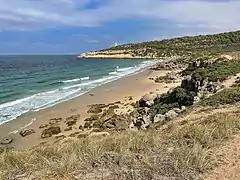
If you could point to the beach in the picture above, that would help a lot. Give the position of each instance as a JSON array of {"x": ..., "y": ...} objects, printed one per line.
[{"x": 123, "y": 92}]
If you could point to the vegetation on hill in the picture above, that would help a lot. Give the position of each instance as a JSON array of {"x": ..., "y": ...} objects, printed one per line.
[
  {"x": 218, "y": 70},
  {"x": 226, "y": 96},
  {"x": 189, "y": 45}
]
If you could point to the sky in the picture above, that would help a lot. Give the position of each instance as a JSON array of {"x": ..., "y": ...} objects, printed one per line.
[{"x": 76, "y": 26}]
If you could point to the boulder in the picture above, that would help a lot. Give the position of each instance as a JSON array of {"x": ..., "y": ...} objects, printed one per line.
[
  {"x": 177, "y": 110},
  {"x": 50, "y": 131},
  {"x": 73, "y": 117},
  {"x": 55, "y": 121},
  {"x": 71, "y": 122},
  {"x": 96, "y": 108},
  {"x": 171, "y": 114},
  {"x": 81, "y": 128},
  {"x": 26, "y": 132},
  {"x": 183, "y": 108},
  {"x": 43, "y": 126},
  {"x": 6, "y": 141},
  {"x": 88, "y": 125},
  {"x": 159, "y": 118},
  {"x": 68, "y": 128}
]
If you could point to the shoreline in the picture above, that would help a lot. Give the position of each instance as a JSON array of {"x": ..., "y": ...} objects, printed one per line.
[
  {"x": 82, "y": 93},
  {"x": 138, "y": 84}
]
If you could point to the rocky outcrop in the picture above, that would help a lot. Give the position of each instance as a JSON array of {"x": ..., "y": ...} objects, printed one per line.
[
  {"x": 6, "y": 141},
  {"x": 50, "y": 132},
  {"x": 26, "y": 132}
]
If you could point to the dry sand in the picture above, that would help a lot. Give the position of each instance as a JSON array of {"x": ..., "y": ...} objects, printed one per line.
[{"x": 120, "y": 90}]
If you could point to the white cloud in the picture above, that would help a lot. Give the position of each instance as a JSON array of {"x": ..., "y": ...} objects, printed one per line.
[{"x": 209, "y": 16}]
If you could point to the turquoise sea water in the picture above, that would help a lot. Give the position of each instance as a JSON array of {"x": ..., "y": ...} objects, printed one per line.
[{"x": 30, "y": 83}]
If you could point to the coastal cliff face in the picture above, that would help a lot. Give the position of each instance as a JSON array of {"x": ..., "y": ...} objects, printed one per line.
[{"x": 117, "y": 54}]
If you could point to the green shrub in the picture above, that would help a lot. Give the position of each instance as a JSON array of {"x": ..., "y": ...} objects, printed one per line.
[
  {"x": 226, "y": 96},
  {"x": 219, "y": 70}
]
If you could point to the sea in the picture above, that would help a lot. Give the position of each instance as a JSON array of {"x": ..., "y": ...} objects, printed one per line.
[{"x": 34, "y": 82}]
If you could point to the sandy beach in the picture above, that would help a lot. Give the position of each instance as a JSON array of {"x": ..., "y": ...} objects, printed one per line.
[{"x": 126, "y": 90}]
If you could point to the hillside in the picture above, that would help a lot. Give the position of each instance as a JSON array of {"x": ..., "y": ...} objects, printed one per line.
[{"x": 183, "y": 46}]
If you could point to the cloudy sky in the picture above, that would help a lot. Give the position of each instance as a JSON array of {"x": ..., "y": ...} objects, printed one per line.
[{"x": 75, "y": 26}]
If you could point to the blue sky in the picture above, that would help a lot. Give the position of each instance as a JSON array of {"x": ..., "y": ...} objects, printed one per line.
[{"x": 75, "y": 26}]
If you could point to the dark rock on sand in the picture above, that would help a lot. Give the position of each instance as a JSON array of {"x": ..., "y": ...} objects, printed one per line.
[
  {"x": 96, "y": 108},
  {"x": 68, "y": 128},
  {"x": 92, "y": 118},
  {"x": 71, "y": 122},
  {"x": 73, "y": 117},
  {"x": 50, "y": 131},
  {"x": 114, "y": 107},
  {"x": 6, "y": 141},
  {"x": 55, "y": 121},
  {"x": 88, "y": 124},
  {"x": 43, "y": 126},
  {"x": 81, "y": 128},
  {"x": 26, "y": 132}
]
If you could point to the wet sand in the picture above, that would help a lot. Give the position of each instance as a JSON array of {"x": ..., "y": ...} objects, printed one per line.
[{"x": 135, "y": 86}]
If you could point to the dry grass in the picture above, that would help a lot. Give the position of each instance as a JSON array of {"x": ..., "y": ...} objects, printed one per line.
[{"x": 179, "y": 152}]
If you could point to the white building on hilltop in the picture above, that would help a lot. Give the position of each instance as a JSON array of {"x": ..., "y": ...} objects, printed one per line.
[{"x": 115, "y": 44}]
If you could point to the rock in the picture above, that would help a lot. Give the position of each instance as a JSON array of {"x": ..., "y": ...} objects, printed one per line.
[
  {"x": 43, "y": 126},
  {"x": 196, "y": 99},
  {"x": 60, "y": 137},
  {"x": 94, "y": 134},
  {"x": 92, "y": 118},
  {"x": 159, "y": 118},
  {"x": 107, "y": 115},
  {"x": 55, "y": 121},
  {"x": 183, "y": 108},
  {"x": 147, "y": 100},
  {"x": 110, "y": 126},
  {"x": 73, "y": 117},
  {"x": 50, "y": 131},
  {"x": 74, "y": 134},
  {"x": 68, "y": 128},
  {"x": 96, "y": 108},
  {"x": 132, "y": 127},
  {"x": 81, "y": 128},
  {"x": 71, "y": 122},
  {"x": 88, "y": 125},
  {"x": 177, "y": 110},
  {"x": 114, "y": 107},
  {"x": 171, "y": 114},
  {"x": 6, "y": 141},
  {"x": 143, "y": 102},
  {"x": 27, "y": 132}
]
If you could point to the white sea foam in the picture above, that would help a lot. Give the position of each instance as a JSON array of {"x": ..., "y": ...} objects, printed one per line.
[
  {"x": 36, "y": 102},
  {"x": 77, "y": 79},
  {"x": 113, "y": 73}
]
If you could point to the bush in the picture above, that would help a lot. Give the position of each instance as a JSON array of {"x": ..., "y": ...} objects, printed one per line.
[
  {"x": 219, "y": 70},
  {"x": 174, "y": 99},
  {"x": 226, "y": 96}
]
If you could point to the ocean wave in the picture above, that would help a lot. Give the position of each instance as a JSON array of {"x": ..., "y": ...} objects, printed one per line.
[
  {"x": 124, "y": 69},
  {"x": 113, "y": 73},
  {"x": 77, "y": 79}
]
